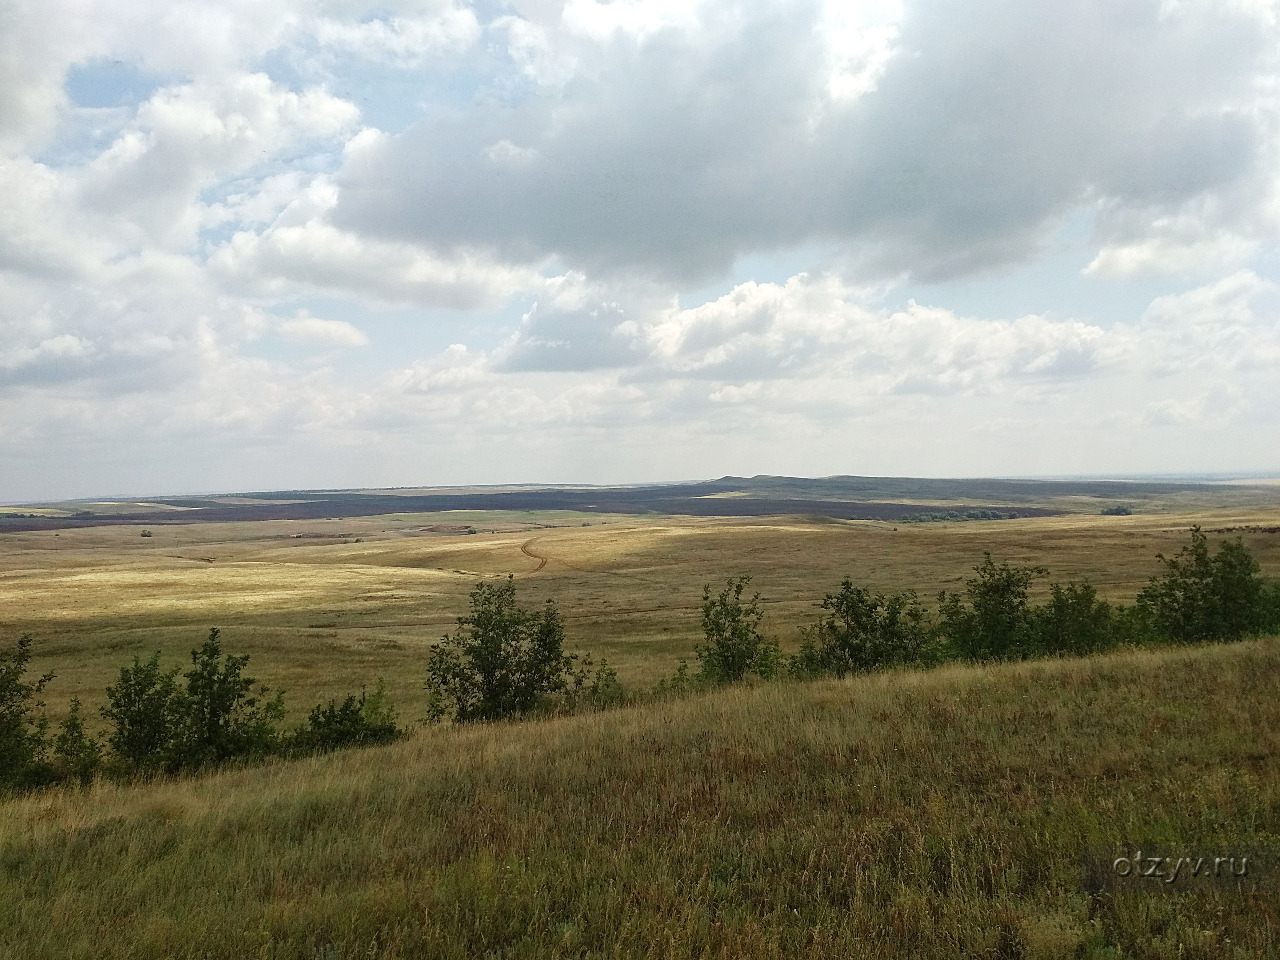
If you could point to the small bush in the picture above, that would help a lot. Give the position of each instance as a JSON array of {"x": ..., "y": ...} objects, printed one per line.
[
  {"x": 216, "y": 716},
  {"x": 76, "y": 755},
  {"x": 594, "y": 689},
  {"x": 356, "y": 721},
  {"x": 1201, "y": 597},
  {"x": 1074, "y": 621},
  {"x": 734, "y": 644},
  {"x": 864, "y": 631},
  {"x": 503, "y": 661},
  {"x": 1269, "y": 607},
  {"x": 993, "y": 619},
  {"x": 23, "y": 727}
]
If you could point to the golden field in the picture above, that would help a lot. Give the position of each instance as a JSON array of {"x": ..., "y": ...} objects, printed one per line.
[{"x": 326, "y": 606}]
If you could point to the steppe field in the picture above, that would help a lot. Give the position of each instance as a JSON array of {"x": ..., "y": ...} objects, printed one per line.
[{"x": 912, "y": 813}]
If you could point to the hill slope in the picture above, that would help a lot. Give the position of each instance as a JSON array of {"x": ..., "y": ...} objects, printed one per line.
[{"x": 916, "y": 814}]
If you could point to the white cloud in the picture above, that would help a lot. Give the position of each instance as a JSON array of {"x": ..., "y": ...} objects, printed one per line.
[
  {"x": 336, "y": 333},
  {"x": 581, "y": 166},
  {"x": 931, "y": 137}
]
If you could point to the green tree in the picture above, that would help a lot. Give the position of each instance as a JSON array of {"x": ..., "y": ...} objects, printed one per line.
[
  {"x": 23, "y": 728},
  {"x": 1074, "y": 621},
  {"x": 734, "y": 645},
  {"x": 864, "y": 631},
  {"x": 221, "y": 714},
  {"x": 1201, "y": 597},
  {"x": 144, "y": 707},
  {"x": 993, "y": 619},
  {"x": 503, "y": 660},
  {"x": 217, "y": 715},
  {"x": 76, "y": 755}
]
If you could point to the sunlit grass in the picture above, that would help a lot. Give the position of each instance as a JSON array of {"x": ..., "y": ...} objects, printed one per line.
[{"x": 935, "y": 814}]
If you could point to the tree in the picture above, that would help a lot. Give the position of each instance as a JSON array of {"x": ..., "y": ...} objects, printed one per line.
[
  {"x": 221, "y": 715},
  {"x": 23, "y": 731},
  {"x": 734, "y": 644},
  {"x": 1201, "y": 597},
  {"x": 502, "y": 661},
  {"x": 217, "y": 715},
  {"x": 1074, "y": 621},
  {"x": 144, "y": 708},
  {"x": 76, "y": 755},
  {"x": 995, "y": 622},
  {"x": 864, "y": 631}
]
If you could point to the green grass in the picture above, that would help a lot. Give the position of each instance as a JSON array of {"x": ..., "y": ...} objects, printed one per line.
[{"x": 925, "y": 814}]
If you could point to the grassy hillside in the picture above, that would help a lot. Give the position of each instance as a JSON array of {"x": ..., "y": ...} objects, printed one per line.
[
  {"x": 326, "y": 606},
  {"x": 931, "y": 814}
]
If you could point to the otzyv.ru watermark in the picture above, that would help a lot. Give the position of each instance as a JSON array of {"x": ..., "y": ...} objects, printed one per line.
[{"x": 1164, "y": 868}]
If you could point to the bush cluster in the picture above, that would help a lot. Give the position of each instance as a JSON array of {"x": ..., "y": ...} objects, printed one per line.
[
  {"x": 1198, "y": 597},
  {"x": 164, "y": 722}
]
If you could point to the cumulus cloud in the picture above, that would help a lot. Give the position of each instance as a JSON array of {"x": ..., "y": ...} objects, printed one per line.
[
  {"x": 958, "y": 137},
  {"x": 336, "y": 333},
  {"x": 555, "y": 178}
]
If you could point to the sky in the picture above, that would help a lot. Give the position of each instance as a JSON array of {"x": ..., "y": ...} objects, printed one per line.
[{"x": 277, "y": 244}]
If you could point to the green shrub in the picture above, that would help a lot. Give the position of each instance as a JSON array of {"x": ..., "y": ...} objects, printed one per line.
[
  {"x": 356, "y": 721},
  {"x": 503, "y": 661},
  {"x": 144, "y": 709},
  {"x": 1202, "y": 598},
  {"x": 993, "y": 620},
  {"x": 594, "y": 689},
  {"x": 1074, "y": 621},
  {"x": 23, "y": 728},
  {"x": 216, "y": 716},
  {"x": 864, "y": 631},
  {"x": 734, "y": 644},
  {"x": 1269, "y": 607},
  {"x": 76, "y": 755}
]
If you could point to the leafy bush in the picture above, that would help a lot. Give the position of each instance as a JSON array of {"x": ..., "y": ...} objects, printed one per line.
[
  {"x": 222, "y": 715},
  {"x": 216, "y": 716},
  {"x": 1201, "y": 597},
  {"x": 1074, "y": 621},
  {"x": 144, "y": 709},
  {"x": 734, "y": 644},
  {"x": 503, "y": 661},
  {"x": 1269, "y": 608},
  {"x": 864, "y": 631},
  {"x": 361, "y": 721},
  {"x": 996, "y": 621},
  {"x": 594, "y": 690},
  {"x": 23, "y": 732},
  {"x": 76, "y": 755}
]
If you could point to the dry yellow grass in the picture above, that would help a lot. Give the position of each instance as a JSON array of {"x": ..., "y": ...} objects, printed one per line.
[
  {"x": 323, "y": 607},
  {"x": 937, "y": 815}
]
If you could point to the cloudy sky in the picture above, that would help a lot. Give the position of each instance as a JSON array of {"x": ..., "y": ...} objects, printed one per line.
[{"x": 257, "y": 244}]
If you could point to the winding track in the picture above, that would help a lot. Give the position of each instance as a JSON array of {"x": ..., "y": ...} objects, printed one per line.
[{"x": 525, "y": 549}]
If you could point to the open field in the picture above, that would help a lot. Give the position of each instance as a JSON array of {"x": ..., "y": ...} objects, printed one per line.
[
  {"x": 932, "y": 814},
  {"x": 325, "y": 606},
  {"x": 927, "y": 815}
]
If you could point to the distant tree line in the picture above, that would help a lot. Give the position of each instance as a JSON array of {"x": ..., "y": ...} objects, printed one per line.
[{"x": 505, "y": 661}]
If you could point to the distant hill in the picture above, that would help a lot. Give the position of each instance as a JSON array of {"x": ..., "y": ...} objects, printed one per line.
[{"x": 896, "y": 499}]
